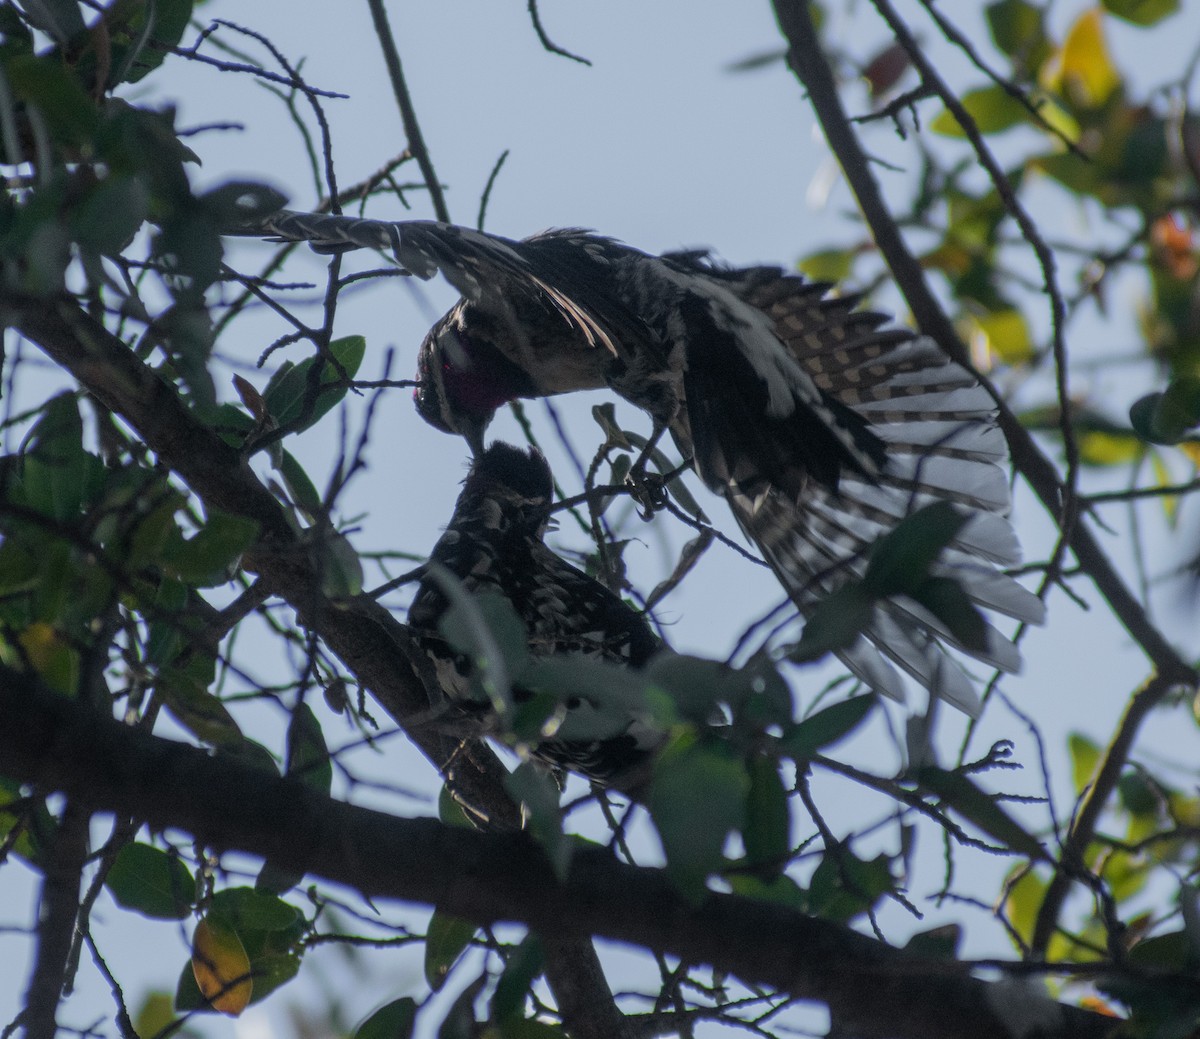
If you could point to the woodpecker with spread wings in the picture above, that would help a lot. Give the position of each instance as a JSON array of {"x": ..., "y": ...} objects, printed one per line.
[
  {"x": 821, "y": 425},
  {"x": 495, "y": 542}
]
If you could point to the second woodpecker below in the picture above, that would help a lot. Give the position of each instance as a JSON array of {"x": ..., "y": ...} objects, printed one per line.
[{"x": 495, "y": 543}]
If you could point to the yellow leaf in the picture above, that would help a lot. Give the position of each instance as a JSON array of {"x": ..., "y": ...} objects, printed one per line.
[
  {"x": 1003, "y": 334},
  {"x": 1097, "y": 447},
  {"x": 221, "y": 966},
  {"x": 1083, "y": 70},
  {"x": 1191, "y": 448},
  {"x": 51, "y": 656}
]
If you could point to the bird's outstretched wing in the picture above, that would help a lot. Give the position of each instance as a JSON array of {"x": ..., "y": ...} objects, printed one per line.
[
  {"x": 942, "y": 445},
  {"x": 487, "y": 269}
]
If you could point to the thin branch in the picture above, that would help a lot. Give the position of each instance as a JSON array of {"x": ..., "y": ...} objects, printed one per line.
[
  {"x": 548, "y": 43},
  {"x": 1087, "y": 817},
  {"x": 487, "y": 189},
  {"x": 408, "y": 114}
]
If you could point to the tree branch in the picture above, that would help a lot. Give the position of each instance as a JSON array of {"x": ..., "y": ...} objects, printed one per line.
[
  {"x": 57, "y": 914},
  {"x": 367, "y": 638},
  {"x": 874, "y": 990},
  {"x": 375, "y": 647},
  {"x": 808, "y": 62},
  {"x": 408, "y": 114}
]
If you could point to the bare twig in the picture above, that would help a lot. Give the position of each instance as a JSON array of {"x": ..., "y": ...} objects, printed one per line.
[
  {"x": 408, "y": 114},
  {"x": 546, "y": 42}
]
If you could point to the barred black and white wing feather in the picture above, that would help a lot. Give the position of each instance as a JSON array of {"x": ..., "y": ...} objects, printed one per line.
[
  {"x": 494, "y": 542},
  {"x": 942, "y": 444},
  {"x": 822, "y": 425}
]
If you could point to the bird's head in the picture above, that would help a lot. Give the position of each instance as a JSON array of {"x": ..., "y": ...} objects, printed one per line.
[
  {"x": 463, "y": 377},
  {"x": 512, "y": 485}
]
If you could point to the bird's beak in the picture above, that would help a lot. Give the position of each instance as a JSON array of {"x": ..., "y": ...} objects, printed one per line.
[{"x": 472, "y": 432}]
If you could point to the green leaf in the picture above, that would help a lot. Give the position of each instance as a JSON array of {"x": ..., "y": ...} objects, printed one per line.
[
  {"x": 111, "y": 215},
  {"x": 1141, "y": 12},
  {"x": 613, "y": 694},
  {"x": 154, "y": 1015},
  {"x": 394, "y": 1020},
  {"x": 1085, "y": 756},
  {"x": 339, "y": 566},
  {"x": 834, "y": 265},
  {"x": 696, "y": 686},
  {"x": 1083, "y": 70},
  {"x": 56, "y": 467},
  {"x": 48, "y": 85},
  {"x": 948, "y": 601},
  {"x": 961, "y": 796},
  {"x": 148, "y": 38},
  {"x": 782, "y": 890},
  {"x": 1005, "y": 334},
  {"x": 486, "y": 629},
  {"x": 289, "y": 388},
  {"x": 521, "y": 970},
  {"x": 185, "y": 694},
  {"x": 150, "y": 881},
  {"x": 166, "y": 636},
  {"x": 536, "y": 790},
  {"x": 766, "y": 831},
  {"x": 992, "y": 108},
  {"x": 697, "y": 797},
  {"x": 189, "y": 336},
  {"x": 38, "y": 828},
  {"x": 52, "y": 656},
  {"x": 1018, "y": 29},
  {"x": 1023, "y": 902},
  {"x": 307, "y": 756},
  {"x": 60, "y": 19},
  {"x": 940, "y": 942},
  {"x": 274, "y": 879},
  {"x": 211, "y": 557},
  {"x": 445, "y": 941},
  {"x": 902, "y": 558},
  {"x": 826, "y": 727},
  {"x": 843, "y": 885},
  {"x": 248, "y": 909},
  {"x": 451, "y": 811},
  {"x": 836, "y": 622},
  {"x": 155, "y": 530},
  {"x": 1165, "y": 418},
  {"x": 301, "y": 488}
]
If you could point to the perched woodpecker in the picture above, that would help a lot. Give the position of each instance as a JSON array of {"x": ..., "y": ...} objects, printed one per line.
[
  {"x": 821, "y": 425},
  {"x": 494, "y": 542}
]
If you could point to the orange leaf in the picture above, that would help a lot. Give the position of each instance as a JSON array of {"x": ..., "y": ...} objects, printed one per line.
[
  {"x": 1173, "y": 247},
  {"x": 221, "y": 966}
]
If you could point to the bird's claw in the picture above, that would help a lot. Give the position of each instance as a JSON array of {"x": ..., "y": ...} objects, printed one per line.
[{"x": 648, "y": 490}]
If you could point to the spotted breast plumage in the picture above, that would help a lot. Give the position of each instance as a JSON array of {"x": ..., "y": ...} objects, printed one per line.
[{"x": 495, "y": 543}]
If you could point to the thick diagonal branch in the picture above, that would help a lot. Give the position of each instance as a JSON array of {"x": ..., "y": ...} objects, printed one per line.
[
  {"x": 365, "y": 636},
  {"x": 1171, "y": 670},
  {"x": 874, "y": 990}
]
